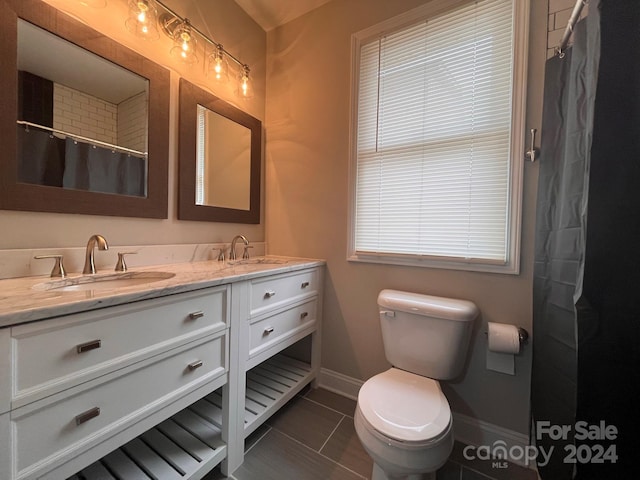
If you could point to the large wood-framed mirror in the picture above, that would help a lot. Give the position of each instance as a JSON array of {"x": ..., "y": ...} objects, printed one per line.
[
  {"x": 78, "y": 161},
  {"x": 220, "y": 158}
]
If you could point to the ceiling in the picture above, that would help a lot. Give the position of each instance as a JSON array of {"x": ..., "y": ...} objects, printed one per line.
[
  {"x": 270, "y": 14},
  {"x": 39, "y": 52}
]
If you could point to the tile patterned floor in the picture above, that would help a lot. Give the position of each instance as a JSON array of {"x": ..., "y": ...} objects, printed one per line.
[{"x": 313, "y": 438}]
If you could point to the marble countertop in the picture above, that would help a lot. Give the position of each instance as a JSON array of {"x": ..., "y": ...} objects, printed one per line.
[{"x": 31, "y": 298}]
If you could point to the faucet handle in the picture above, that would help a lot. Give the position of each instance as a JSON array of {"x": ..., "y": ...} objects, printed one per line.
[
  {"x": 221, "y": 254},
  {"x": 58, "y": 268},
  {"x": 121, "y": 266},
  {"x": 245, "y": 254}
]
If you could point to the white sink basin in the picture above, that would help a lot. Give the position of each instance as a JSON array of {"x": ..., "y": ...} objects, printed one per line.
[{"x": 108, "y": 281}]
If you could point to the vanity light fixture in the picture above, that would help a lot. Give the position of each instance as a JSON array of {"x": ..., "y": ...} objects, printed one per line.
[
  {"x": 245, "y": 86},
  {"x": 184, "y": 40},
  {"x": 184, "y": 37},
  {"x": 218, "y": 65},
  {"x": 143, "y": 19}
]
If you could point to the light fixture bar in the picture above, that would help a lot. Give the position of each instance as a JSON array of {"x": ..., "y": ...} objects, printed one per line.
[{"x": 195, "y": 29}]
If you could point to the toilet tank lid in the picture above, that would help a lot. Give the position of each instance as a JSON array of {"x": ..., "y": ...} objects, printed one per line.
[{"x": 428, "y": 305}]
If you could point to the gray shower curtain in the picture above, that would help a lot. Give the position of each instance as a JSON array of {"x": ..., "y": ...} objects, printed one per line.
[
  {"x": 41, "y": 157},
  {"x": 99, "y": 169},
  {"x": 586, "y": 341},
  {"x": 560, "y": 243}
]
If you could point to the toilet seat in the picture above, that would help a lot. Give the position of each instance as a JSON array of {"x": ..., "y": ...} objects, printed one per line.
[{"x": 405, "y": 407}]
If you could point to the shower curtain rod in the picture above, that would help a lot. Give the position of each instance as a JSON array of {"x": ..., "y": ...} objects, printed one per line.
[
  {"x": 91, "y": 141},
  {"x": 575, "y": 16}
]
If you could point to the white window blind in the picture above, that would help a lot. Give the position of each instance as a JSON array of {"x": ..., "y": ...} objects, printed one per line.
[
  {"x": 200, "y": 155},
  {"x": 433, "y": 137}
]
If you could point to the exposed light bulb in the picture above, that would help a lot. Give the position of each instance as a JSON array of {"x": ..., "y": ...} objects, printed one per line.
[
  {"x": 184, "y": 43},
  {"x": 142, "y": 19},
  {"x": 245, "y": 89},
  {"x": 218, "y": 66}
]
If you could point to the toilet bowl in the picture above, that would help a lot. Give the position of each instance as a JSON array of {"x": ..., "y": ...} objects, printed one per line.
[
  {"x": 402, "y": 418},
  {"x": 404, "y": 423}
]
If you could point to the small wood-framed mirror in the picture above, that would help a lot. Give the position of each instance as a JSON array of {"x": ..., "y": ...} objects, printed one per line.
[
  {"x": 220, "y": 157},
  {"x": 49, "y": 168}
]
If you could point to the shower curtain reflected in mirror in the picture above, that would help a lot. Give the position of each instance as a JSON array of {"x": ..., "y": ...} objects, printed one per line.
[
  {"x": 51, "y": 160},
  {"x": 99, "y": 169},
  {"x": 43, "y": 157},
  {"x": 587, "y": 266}
]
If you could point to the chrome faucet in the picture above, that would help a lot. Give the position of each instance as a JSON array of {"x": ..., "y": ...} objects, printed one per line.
[
  {"x": 89, "y": 264},
  {"x": 232, "y": 252}
]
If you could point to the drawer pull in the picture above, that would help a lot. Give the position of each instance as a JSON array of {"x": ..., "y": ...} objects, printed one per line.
[
  {"x": 304, "y": 315},
  {"x": 85, "y": 347},
  {"x": 88, "y": 415},
  {"x": 269, "y": 294},
  {"x": 194, "y": 315},
  {"x": 304, "y": 285},
  {"x": 194, "y": 365},
  {"x": 268, "y": 330}
]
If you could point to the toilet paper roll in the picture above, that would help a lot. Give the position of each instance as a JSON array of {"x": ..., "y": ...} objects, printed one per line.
[{"x": 503, "y": 338}]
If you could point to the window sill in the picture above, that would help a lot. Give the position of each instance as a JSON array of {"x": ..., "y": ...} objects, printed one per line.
[{"x": 509, "y": 268}]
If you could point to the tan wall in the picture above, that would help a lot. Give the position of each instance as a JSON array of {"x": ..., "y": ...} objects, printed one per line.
[
  {"x": 307, "y": 129},
  {"x": 307, "y": 125},
  {"x": 226, "y": 23},
  {"x": 227, "y": 181}
]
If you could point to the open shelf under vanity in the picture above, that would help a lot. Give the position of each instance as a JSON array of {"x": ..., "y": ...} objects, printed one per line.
[{"x": 190, "y": 444}]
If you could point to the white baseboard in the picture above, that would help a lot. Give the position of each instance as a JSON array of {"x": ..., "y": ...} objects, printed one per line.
[
  {"x": 339, "y": 383},
  {"x": 471, "y": 431},
  {"x": 467, "y": 430}
]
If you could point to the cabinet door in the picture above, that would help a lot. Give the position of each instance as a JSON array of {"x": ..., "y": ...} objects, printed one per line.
[
  {"x": 5, "y": 446},
  {"x": 5, "y": 370}
]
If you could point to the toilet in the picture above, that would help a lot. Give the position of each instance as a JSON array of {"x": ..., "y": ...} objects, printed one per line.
[{"x": 402, "y": 417}]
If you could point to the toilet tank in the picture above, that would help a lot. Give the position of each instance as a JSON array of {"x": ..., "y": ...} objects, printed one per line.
[{"x": 426, "y": 335}]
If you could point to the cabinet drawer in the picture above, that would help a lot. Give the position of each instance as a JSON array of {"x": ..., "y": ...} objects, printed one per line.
[
  {"x": 272, "y": 291},
  {"x": 53, "y": 355},
  {"x": 270, "y": 331},
  {"x": 46, "y": 431}
]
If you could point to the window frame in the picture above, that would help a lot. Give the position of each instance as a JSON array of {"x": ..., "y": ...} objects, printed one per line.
[{"x": 517, "y": 147}]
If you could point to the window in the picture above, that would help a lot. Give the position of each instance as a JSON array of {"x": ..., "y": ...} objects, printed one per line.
[
  {"x": 201, "y": 155},
  {"x": 437, "y": 137}
]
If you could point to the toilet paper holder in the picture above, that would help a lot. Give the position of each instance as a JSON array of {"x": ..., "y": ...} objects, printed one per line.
[{"x": 523, "y": 335}]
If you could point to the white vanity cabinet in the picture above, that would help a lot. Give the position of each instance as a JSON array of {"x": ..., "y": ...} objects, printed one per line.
[
  {"x": 269, "y": 314},
  {"x": 283, "y": 309},
  {"x": 85, "y": 384},
  {"x": 164, "y": 387},
  {"x": 5, "y": 403}
]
